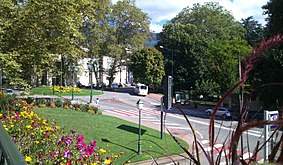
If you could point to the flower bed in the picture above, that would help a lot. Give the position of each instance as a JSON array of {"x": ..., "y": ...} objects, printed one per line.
[{"x": 44, "y": 142}]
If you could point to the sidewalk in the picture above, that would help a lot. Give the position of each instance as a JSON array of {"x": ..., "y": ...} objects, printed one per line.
[{"x": 177, "y": 133}]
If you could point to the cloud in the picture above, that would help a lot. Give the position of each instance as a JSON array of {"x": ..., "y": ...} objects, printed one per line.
[{"x": 161, "y": 11}]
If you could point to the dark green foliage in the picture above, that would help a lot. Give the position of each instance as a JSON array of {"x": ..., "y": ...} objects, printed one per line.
[
  {"x": 206, "y": 42},
  {"x": 147, "y": 66},
  {"x": 255, "y": 31}
]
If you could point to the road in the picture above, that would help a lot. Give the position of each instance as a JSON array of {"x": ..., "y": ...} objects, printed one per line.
[{"x": 122, "y": 102}]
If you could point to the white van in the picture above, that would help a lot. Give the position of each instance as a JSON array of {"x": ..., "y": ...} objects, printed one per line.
[{"x": 141, "y": 89}]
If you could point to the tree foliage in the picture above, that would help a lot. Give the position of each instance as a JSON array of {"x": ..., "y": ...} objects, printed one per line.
[
  {"x": 269, "y": 73},
  {"x": 129, "y": 29},
  {"x": 39, "y": 32},
  {"x": 254, "y": 31},
  {"x": 206, "y": 41},
  {"x": 147, "y": 66}
]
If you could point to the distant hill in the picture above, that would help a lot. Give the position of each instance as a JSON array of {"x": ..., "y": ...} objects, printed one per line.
[{"x": 153, "y": 41}]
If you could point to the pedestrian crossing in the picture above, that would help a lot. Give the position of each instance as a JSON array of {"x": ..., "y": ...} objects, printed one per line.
[
  {"x": 133, "y": 113},
  {"x": 218, "y": 149}
]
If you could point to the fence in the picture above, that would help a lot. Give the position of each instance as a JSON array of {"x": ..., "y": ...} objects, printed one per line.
[{"x": 9, "y": 152}]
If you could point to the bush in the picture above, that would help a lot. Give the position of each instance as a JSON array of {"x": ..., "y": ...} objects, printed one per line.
[
  {"x": 93, "y": 108},
  {"x": 58, "y": 103},
  {"x": 83, "y": 107}
]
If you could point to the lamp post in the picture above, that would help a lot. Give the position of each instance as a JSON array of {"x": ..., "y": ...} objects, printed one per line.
[
  {"x": 90, "y": 68},
  {"x": 73, "y": 69},
  {"x": 172, "y": 89},
  {"x": 140, "y": 107},
  {"x": 1, "y": 84},
  {"x": 61, "y": 75}
]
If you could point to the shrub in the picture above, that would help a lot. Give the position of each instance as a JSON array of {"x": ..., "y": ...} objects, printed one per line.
[
  {"x": 84, "y": 107},
  {"x": 93, "y": 108},
  {"x": 58, "y": 103}
]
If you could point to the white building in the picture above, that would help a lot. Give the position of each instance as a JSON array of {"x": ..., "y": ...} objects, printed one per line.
[{"x": 123, "y": 76}]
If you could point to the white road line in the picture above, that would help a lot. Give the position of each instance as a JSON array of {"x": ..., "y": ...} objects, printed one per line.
[
  {"x": 168, "y": 124},
  {"x": 151, "y": 120},
  {"x": 214, "y": 147},
  {"x": 204, "y": 141},
  {"x": 247, "y": 155},
  {"x": 215, "y": 125},
  {"x": 199, "y": 134},
  {"x": 258, "y": 132},
  {"x": 181, "y": 128}
]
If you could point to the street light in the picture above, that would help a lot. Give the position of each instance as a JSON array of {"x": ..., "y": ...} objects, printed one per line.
[
  {"x": 90, "y": 68},
  {"x": 140, "y": 107},
  {"x": 73, "y": 69},
  {"x": 1, "y": 84},
  {"x": 172, "y": 89}
]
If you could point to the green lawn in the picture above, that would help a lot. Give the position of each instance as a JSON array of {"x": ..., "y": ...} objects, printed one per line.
[
  {"x": 47, "y": 91},
  {"x": 119, "y": 135}
]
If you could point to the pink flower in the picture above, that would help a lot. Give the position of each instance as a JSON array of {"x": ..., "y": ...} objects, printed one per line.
[
  {"x": 81, "y": 138},
  {"x": 89, "y": 150},
  {"x": 93, "y": 143},
  {"x": 81, "y": 145},
  {"x": 67, "y": 153}
]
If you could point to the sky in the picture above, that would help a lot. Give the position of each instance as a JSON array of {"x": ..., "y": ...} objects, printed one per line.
[{"x": 161, "y": 11}]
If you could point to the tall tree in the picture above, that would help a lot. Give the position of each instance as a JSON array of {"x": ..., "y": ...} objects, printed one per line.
[
  {"x": 209, "y": 39},
  {"x": 268, "y": 79},
  {"x": 255, "y": 31},
  {"x": 273, "y": 10},
  {"x": 129, "y": 29},
  {"x": 147, "y": 66}
]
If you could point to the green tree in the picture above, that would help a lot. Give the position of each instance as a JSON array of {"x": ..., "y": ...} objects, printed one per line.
[
  {"x": 206, "y": 41},
  {"x": 39, "y": 32},
  {"x": 255, "y": 31},
  {"x": 269, "y": 71},
  {"x": 147, "y": 66},
  {"x": 273, "y": 10},
  {"x": 129, "y": 30},
  {"x": 95, "y": 29}
]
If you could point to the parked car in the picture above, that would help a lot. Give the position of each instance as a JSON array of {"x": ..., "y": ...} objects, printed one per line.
[
  {"x": 9, "y": 91},
  {"x": 141, "y": 89},
  {"x": 223, "y": 112},
  {"x": 115, "y": 85}
]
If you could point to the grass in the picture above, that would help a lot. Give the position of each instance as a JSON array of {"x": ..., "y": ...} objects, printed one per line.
[
  {"x": 114, "y": 133},
  {"x": 47, "y": 91}
]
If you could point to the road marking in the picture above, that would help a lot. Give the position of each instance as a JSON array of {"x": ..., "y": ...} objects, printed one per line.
[
  {"x": 216, "y": 146},
  {"x": 247, "y": 155},
  {"x": 151, "y": 120},
  {"x": 181, "y": 128},
  {"x": 204, "y": 141},
  {"x": 169, "y": 124},
  {"x": 199, "y": 134},
  {"x": 255, "y": 131},
  {"x": 215, "y": 125}
]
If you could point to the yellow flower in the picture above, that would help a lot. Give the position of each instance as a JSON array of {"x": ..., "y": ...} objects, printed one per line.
[
  {"x": 28, "y": 126},
  {"x": 107, "y": 161},
  {"x": 36, "y": 142},
  {"x": 28, "y": 159},
  {"x": 102, "y": 150},
  {"x": 93, "y": 164},
  {"x": 1, "y": 114}
]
